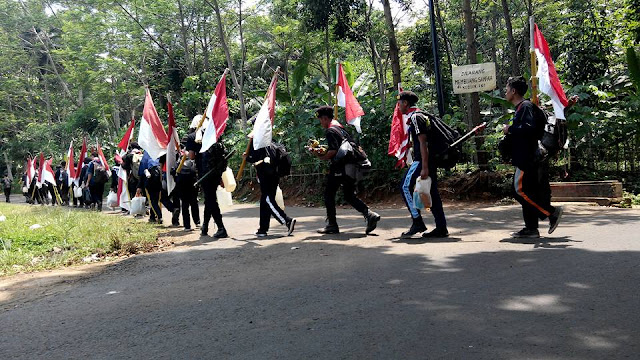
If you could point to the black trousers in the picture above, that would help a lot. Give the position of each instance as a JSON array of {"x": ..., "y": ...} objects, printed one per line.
[
  {"x": 188, "y": 198},
  {"x": 211, "y": 207},
  {"x": 64, "y": 194},
  {"x": 349, "y": 189},
  {"x": 268, "y": 205},
  {"x": 533, "y": 192},
  {"x": 7, "y": 193},
  {"x": 97, "y": 190}
]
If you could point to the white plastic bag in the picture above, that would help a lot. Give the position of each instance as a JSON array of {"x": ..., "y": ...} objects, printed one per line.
[
  {"x": 224, "y": 198},
  {"x": 77, "y": 192},
  {"x": 422, "y": 193},
  {"x": 112, "y": 200},
  {"x": 137, "y": 206},
  {"x": 25, "y": 189},
  {"x": 279, "y": 198},
  {"x": 228, "y": 180}
]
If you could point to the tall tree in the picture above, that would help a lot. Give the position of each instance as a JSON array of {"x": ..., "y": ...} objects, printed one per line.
[{"x": 394, "y": 51}]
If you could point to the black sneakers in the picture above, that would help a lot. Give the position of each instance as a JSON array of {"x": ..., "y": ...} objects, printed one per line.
[
  {"x": 290, "y": 226},
  {"x": 372, "y": 221},
  {"x": 437, "y": 233},
  {"x": 330, "y": 229},
  {"x": 221, "y": 233},
  {"x": 554, "y": 219},
  {"x": 526, "y": 233},
  {"x": 417, "y": 226}
]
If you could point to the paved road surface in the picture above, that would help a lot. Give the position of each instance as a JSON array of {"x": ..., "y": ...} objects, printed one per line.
[{"x": 475, "y": 295}]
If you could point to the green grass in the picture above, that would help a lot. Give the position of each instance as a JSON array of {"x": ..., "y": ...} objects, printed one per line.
[{"x": 66, "y": 237}]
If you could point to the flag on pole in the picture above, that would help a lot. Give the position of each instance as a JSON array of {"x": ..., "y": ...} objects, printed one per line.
[
  {"x": 548, "y": 81},
  {"x": 263, "y": 126},
  {"x": 40, "y": 171},
  {"x": 31, "y": 172},
  {"x": 48, "y": 174},
  {"x": 126, "y": 139},
  {"x": 103, "y": 159},
  {"x": 171, "y": 149},
  {"x": 152, "y": 137},
  {"x": 216, "y": 115},
  {"x": 399, "y": 138},
  {"x": 71, "y": 172},
  {"x": 83, "y": 153},
  {"x": 347, "y": 100}
]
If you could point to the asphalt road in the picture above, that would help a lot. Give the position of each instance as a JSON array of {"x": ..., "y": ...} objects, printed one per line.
[{"x": 476, "y": 295}]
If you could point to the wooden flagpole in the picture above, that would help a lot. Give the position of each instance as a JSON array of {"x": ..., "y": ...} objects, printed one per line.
[{"x": 534, "y": 68}]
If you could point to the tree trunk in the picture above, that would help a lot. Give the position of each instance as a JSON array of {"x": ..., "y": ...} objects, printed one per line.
[
  {"x": 375, "y": 60},
  {"x": 243, "y": 49},
  {"x": 513, "y": 50},
  {"x": 394, "y": 52},
  {"x": 185, "y": 42},
  {"x": 472, "y": 54},
  {"x": 223, "y": 42}
]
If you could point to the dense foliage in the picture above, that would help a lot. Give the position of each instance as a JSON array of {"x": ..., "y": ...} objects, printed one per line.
[{"x": 74, "y": 68}]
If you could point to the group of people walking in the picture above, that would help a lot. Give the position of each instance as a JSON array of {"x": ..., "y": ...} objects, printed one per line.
[{"x": 204, "y": 170}]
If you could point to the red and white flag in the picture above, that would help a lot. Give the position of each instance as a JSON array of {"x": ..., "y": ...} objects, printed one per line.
[
  {"x": 217, "y": 115},
  {"x": 171, "y": 149},
  {"x": 31, "y": 172},
  {"x": 71, "y": 171},
  {"x": 126, "y": 139},
  {"x": 124, "y": 199},
  {"x": 48, "y": 174},
  {"x": 103, "y": 159},
  {"x": 399, "y": 138},
  {"x": 263, "y": 126},
  {"x": 83, "y": 153},
  {"x": 40, "y": 171},
  {"x": 347, "y": 100},
  {"x": 548, "y": 81},
  {"x": 152, "y": 137}
]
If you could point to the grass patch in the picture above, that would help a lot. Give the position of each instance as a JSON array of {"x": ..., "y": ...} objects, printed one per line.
[{"x": 66, "y": 237}]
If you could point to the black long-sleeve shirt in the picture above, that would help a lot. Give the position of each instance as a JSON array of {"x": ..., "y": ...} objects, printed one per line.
[{"x": 524, "y": 131}]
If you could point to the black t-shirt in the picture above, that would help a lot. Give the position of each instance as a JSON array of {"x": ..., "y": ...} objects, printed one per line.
[
  {"x": 525, "y": 134},
  {"x": 335, "y": 138},
  {"x": 418, "y": 125}
]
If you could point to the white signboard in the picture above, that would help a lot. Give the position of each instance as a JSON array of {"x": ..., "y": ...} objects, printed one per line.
[{"x": 474, "y": 78}]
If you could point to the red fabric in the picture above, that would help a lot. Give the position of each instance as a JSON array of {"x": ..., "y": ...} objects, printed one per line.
[
  {"x": 72, "y": 170},
  {"x": 172, "y": 119},
  {"x": 40, "y": 168},
  {"x": 541, "y": 44},
  {"x": 271, "y": 98},
  {"x": 82, "y": 155},
  {"x": 352, "y": 108},
  {"x": 220, "y": 112},
  {"x": 124, "y": 143},
  {"x": 398, "y": 136},
  {"x": 29, "y": 173},
  {"x": 48, "y": 168},
  {"x": 151, "y": 116},
  {"x": 103, "y": 159}
]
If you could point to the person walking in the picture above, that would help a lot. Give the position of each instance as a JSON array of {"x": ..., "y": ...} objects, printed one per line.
[
  {"x": 423, "y": 166},
  {"x": 531, "y": 178},
  {"x": 336, "y": 135}
]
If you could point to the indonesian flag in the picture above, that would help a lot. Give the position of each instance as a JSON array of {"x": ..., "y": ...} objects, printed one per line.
[
  {"x": 171, "y": 149},
  {"x": 126, "y": 139},
  {"x": 548, "y": 81},
  {"x": 71, "y": 171},
  {"x": 352, "y": 108},
  {"x": 47, "y": 173},
  {"x": 263, "y": 126},
  {"x": 217, "y": 114},
  {"x": 152, "y": 137},
  {"x": 40, "y": 171},
  {"x": 83, "y": 153},
  {"x": 124, "y": 199},
  {"x": 399, "y": 138},
  {"x": 31, "y": 172},
  {"x": 103, "y": 159}
]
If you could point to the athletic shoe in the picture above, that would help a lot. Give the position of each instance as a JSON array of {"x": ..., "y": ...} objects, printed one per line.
[
  {"x": 372, "y": 221},
  {"x": 437, "y": 233},
  {"x": 290, "y": 226},
  {"x": 261, "y": 234},
  {"x": 204, "y": 232},
  {"x": 554, "y": 219},
  {"x": 417, "y": 226},
  {"x": 221, "y": 233},
  {"x": 330, "y": 229},
  {"x": 188, "y": 229},
  {"x": 526, "y": 233}
]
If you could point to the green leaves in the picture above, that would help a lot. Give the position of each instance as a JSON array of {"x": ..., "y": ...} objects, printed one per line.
[{"x": 634, "y": 67}]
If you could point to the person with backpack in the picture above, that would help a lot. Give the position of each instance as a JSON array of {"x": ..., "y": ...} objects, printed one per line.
[
  {"x": 214, "y": 160},
  {"x": 336, "y": 135},
  {"x": 150, "y": 185},
  {"x": 187, "y": 193},
  {"x": 531, "y": 179},
  {"x": 422, "y": 135},
  {"x": 267, "y": 162},
  {"x": 97, "y": 176},
  {"x": 6, "y": 185}
]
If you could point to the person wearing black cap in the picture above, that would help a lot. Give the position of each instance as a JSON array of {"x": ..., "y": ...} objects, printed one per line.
[
  {"x": 335, "y": 135},
  {"x": 423, "y": 166}
]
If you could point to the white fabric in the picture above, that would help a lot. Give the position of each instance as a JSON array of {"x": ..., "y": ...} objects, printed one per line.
[
  {"x": 171, "y": 159},
  {"x": 125, "y": 197},
  {"x": 148, "y": 141},
  {"x": 544, "y": 84},
  {"x": 262, "y": 128},
  {"x": 209, "y": 135}
]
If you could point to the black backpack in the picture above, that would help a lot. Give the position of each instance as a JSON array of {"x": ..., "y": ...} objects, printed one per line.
[
  {"x": 100, "y": 173},
  {"x": 440, "y": 137},
  {"x": 217, "y": 158},
  {"x": 356, "y": 154},
  {"x": 551, "y": 132},
  {"x": 154, "y": 182},
  {"x": 280, "y": 158}
]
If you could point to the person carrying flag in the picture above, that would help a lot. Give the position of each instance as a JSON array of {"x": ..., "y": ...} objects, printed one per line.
[
  {"x": 335, "y": 135},
  {"x": 423, "y": 166}
]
